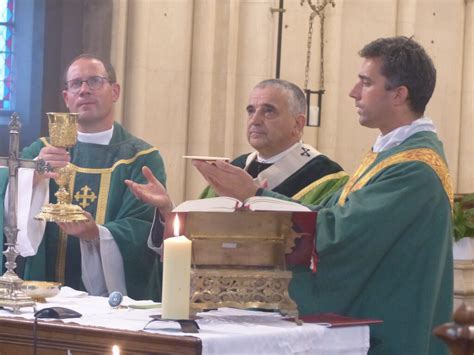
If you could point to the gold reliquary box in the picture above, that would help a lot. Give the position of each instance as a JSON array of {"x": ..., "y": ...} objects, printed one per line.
[{"x": 240, "y": 259}]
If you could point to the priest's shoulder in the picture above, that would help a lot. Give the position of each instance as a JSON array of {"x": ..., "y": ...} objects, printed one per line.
[
  {"x": 424, "y": 139},
  {"x": 128, "y": 142},
  {"x": 34, "y": 148},
  {"x": 323, "y": 162}
]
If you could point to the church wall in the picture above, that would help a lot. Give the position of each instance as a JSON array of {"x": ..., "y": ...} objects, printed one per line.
[
  {"x": 188, "y": 66},
  {"x": 466, "y": 144},
  {"x": 155, "y": 55}
]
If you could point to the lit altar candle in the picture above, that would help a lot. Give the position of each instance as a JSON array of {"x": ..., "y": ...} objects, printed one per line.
[{"x": 176, "y": 275}]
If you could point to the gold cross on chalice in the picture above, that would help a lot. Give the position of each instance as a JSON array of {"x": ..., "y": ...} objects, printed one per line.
[{"x": 63, "y": 134}]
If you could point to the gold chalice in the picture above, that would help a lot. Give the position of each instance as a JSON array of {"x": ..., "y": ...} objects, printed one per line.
[{"x": 63, "y": 134}]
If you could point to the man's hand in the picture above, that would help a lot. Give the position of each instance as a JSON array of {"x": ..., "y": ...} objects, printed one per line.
[
  {"x": 55, "y": 157},
  {"x": 227, "y": 179},
  {"x": 152, "y": 193},
  {"x": 86, "y": 230}
]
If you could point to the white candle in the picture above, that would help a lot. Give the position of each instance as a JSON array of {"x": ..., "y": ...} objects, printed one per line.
[{"x": 176, "y": 276}]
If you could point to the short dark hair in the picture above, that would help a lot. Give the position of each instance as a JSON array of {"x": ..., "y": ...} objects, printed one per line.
[
  {"x": 109, "y": 69},
  {"x": 405, "y": 63},
  {"x": 297, "y": 99}
]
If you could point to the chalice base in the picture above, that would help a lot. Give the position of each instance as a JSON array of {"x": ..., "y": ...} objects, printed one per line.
[
  {"x": 12, "y": 296},
  {"x": 61, "y": 213}
]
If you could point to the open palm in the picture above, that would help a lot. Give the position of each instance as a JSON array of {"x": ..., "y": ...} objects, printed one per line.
[{"x": 152, "y": 193}]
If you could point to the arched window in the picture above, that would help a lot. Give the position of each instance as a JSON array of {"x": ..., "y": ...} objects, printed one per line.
[
  {"x": 21, "y": 67},
  {"x": 6, "y": 49}
]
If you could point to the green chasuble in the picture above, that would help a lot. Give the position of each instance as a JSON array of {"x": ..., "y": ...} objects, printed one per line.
[
  {"x": 303, "y": 174},
  {"x": 385, "y": 248},
  {"x": 3, "y": 188},
  {"x": 99, "y": 188}
]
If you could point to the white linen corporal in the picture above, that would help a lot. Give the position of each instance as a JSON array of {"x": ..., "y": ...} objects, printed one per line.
[{"x": 225, "y": 331}]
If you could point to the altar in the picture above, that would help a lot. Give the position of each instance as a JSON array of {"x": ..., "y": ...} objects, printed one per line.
[{"x": 222, "y": 331}]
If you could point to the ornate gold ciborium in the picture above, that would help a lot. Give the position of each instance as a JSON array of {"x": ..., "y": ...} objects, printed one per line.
[{"x": 63, "y": 134}]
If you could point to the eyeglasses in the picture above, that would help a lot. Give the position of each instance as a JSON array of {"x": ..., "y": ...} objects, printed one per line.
[{"x": 94, "y": 83}]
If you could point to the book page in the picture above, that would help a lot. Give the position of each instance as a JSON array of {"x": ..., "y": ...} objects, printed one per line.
[
  {"x": 213, "y": 204},
  {"x": 263, "y": 203}
]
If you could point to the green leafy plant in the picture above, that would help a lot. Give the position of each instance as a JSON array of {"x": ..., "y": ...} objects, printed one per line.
[{"x": 463, "y": 217}]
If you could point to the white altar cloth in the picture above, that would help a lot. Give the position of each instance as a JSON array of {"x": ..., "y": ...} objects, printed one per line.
[{"x": 223, "y": 331}]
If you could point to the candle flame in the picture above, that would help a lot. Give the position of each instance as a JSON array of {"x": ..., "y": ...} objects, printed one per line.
[
  {"x": 115, "y": 350},
  {"x": 176, "y": 225}
]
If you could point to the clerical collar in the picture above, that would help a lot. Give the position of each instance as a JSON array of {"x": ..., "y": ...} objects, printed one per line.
[
  {"x": 277, "y": 157},
  {"x": 398, "y": 135},
  {"x": 103, "y": 137}
]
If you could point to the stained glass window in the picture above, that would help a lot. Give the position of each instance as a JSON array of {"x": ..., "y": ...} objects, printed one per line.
[{"x": 6, "y": 29}]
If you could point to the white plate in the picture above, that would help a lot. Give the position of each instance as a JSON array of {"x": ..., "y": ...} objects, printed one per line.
[{"x": 204, "y": 158}]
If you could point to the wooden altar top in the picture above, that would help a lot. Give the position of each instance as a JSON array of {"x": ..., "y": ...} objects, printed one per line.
[{"x": 16, "y": 337}]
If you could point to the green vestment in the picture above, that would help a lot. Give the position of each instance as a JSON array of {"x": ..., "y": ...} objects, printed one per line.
[
  {"x": 385, "y": 250},
  {"x": 99, "y": 188}
]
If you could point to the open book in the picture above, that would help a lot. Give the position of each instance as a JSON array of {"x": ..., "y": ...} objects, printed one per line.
[{"x": 229, "y": 204}]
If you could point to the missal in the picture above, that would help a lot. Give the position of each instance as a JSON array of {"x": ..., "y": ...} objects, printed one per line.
[{"x": 230, "y": 204}]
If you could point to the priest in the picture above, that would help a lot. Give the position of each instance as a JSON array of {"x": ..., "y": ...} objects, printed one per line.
[
  {"x": 108, "y": 252},
  {"x": 276, "y": 116},
  {"x": 384, "y": 240}
]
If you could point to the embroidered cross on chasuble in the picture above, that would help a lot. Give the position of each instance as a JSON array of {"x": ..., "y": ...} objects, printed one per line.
[
  {"x": 85, "y": 196},
  {"x": 97, "y": 186},
  {"x": 89, "y": 189}
]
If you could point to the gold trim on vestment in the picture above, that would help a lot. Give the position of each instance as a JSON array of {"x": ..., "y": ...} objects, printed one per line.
[
  {"x": 366, "y": 162},
  {"x": 317, "y": 183},
  {"x": 113, "y": 167},
  {"x": 106, "y": 176},
  {"x": 424, "y": 155},
  {"x": 61, "y": 257},
  {"x": 116, "y": 164},
  {"x": 72, "y": 181},
  {"x": 103, "y": 196}
]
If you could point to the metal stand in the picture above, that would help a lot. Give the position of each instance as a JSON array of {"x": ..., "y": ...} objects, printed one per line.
[{"x": 11, "y": 293}]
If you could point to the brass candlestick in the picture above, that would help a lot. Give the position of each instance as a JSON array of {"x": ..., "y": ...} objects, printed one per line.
[{"x": 63, "y": 134}]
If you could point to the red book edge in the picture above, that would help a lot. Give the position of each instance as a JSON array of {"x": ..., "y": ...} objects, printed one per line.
[{"x": 332, "y": 320}]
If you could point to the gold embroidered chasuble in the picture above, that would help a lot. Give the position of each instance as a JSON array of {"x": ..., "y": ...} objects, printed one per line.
[{"x": 98, "y": 186}]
